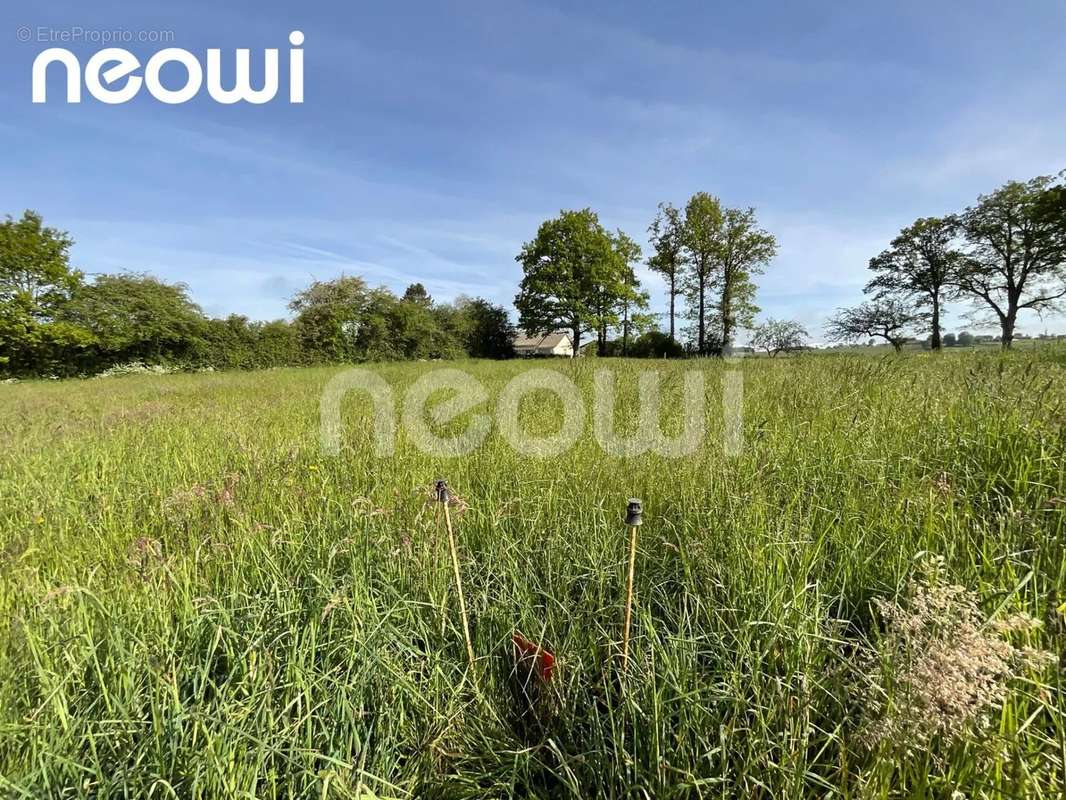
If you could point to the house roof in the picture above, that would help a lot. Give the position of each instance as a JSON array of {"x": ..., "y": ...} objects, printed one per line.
[{"x": 540, "y": 342}]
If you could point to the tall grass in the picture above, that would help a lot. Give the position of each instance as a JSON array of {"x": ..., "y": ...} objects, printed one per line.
[{"x": 195, "y": 603}]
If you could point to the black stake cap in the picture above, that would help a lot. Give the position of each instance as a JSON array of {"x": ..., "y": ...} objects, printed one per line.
[
  {"x": 440, "y": 491},
  {"x": 634, "y": 512}
]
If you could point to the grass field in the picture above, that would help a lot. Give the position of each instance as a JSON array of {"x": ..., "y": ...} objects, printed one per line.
[{"x": 195, "y": 602}]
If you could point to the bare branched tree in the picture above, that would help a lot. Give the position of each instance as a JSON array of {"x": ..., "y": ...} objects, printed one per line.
[
  {"x": 779, "y": 336},
  {"x": 887, "y": 319}
]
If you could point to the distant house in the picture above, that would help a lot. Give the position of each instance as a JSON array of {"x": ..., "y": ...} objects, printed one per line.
[{"x": 554, "y": 344}]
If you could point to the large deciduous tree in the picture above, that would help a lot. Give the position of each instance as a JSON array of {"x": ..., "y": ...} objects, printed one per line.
[
  {"x": 36, "y": 283},
  {"x": 1017, "y": 249},
  {"x": 487, "y": 331},
  {"x": 921, "y": 264},
  {"x": 632, "y": 301},
  {"x": 137, "y": 318},
  {"x": 667, "y": 233},
  {"x": 745, "y": 249},
  {"x": 702, "y": 239},
  {"x": 422, "y": 329},
  {"x": 725, "y": 248},
  {"x": 344, "y": 320},
  {"x": 331, "y": 316},
  {"x": 888, "y": 319},
  {"x": 573, "y": 278}
]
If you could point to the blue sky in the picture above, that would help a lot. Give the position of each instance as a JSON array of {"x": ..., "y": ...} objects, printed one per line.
[{"x": 435, "y": 137}]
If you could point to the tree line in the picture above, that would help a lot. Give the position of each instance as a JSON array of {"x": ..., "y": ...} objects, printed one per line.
[
  {"x": 579, "y": 277},
  {"x": 1005, "y": 254},
  {"x": 54, "y": 320}
]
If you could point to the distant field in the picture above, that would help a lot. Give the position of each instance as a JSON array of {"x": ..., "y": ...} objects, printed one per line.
[
  {"x": 883, "y": 348},
  {"x": 196, "y": 602}
]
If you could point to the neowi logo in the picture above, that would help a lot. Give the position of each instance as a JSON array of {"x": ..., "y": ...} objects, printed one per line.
[{"x": 106, "y": 68}]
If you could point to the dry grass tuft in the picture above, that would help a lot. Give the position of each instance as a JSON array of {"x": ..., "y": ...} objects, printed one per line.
[{"x": 942, "y": 668}]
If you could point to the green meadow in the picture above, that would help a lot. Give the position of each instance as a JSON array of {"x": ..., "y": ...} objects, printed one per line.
[{"x": 196, "y": 602}]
